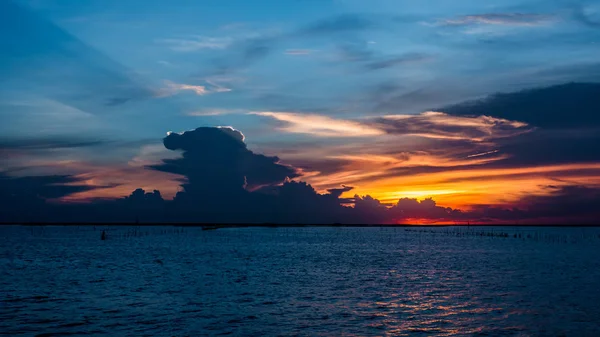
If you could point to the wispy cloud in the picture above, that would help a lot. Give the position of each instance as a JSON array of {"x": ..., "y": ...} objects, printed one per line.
[
  {"x": 399, "y": 60},
  {"x": 487, "y": 153},
  {"x": 434, "y": 125},
  {"x": 439, "y": 125},
  {"x": 506, "y": 19},
  {"x": 322, "y": 126},
  {"x": 196, "y": 43},
  {"x": 298, "y": 51},
  {"x": 165, "y": 63},
  {"x": 215, "y": 112},
  {"x": 172, "y": 88}
]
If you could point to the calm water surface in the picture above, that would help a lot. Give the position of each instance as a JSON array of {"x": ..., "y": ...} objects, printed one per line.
[{"x": 169, "y": 281}]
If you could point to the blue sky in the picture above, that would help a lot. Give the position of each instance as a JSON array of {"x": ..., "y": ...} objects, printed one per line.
[
  {"x": 447, "y": 51},
  {"x": 296, "y": 77}
]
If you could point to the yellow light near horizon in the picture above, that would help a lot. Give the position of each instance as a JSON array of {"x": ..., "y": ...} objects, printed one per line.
[{"x": 419, "y": 194}]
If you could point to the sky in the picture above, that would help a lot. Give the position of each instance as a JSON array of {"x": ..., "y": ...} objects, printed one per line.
[{"x": 485, "y": 109}]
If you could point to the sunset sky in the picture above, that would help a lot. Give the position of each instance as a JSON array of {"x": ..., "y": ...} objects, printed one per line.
[{"x": 471, "y": 103}]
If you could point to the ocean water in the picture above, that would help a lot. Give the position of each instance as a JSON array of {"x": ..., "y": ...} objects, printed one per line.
[{"x": 171, "y": 281}]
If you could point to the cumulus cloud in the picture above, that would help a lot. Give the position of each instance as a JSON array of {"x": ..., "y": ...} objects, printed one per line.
[
  {"x": 216, "y": 160},
  {"x": 218, "y": 169}
]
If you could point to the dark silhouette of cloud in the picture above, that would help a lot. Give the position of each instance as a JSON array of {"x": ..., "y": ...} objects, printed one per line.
[
  {"x": 217, "y": 159},
  {"x": 46, "y": 187},
  {"x": 565, "y": 115},
  {"x": 407, "y": 208},
  {"x": 565, "y": 201},
  {"x": 337, "y": 192},
  {"x": 561, "y": 106},
  {"x": 217, "y": 168},
  {"x": 24, "y": 198}
]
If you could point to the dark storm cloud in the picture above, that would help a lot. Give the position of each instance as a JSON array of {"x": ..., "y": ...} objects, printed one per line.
[
  {"x": 407, "y": 208},
  {"x": 572, "y": 105},
  {"x": 217, "y": 159},
  {"x": 35, "y": 52},
  {"x": 566, "y": 118},
  {"x": 337, "y": 192},
  {"x": 564, "y": 204},
  {"x": 217, "y": 165},
  {"x": 47, "y": 187},
  {"x": 565, "y": 201}
]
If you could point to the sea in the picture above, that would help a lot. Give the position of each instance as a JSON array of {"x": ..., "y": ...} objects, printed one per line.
[{"x": 300, "y": 281}]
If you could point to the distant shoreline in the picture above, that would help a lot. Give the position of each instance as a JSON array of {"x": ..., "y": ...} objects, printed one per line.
[{"x": 267, "y": 225}]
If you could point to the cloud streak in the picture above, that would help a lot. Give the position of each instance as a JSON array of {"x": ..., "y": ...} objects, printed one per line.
[
  {"x": 409, "y": 58},
  {"x": 504, "y": 19},
  {"x": 436, "y": 125},
  {"x": 197, "y": 43},
  {"x": 172, "y": 88},
  {"x": 440, "y": 125},
  {"x": 321, "y": 126}
]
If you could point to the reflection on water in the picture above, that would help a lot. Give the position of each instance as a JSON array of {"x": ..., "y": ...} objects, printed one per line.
[{"x": 169, "y": 281}]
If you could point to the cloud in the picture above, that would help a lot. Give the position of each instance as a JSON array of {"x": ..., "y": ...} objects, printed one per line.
[
  {"x": 200, "y": 90},
  {"x": 321, "y": 126},
  {"x": 443, "y": 126},
  {"x": 435, "y": 125},
  {"x": 339, "y": 24},
  {"x": 585, "y": 17},
  {"x": 45, "y": 187},
  {"x": 409, "y": 210},
  {"x": 298, "y": 51},
  {"x": 197, "y": 43},
  {"x": 223, "y": 181},
  {"x": 217, "y": 160},
  {"x": 565, "y": 201},
  {"x": 248, "y": 50},
  {"x": 48, "y": 143},
  {"x": 482, "y": 154},
  {"x": 548, "y": 107},
  {"x": 215, "y": 112},
  {"x": 506, "y": 19},
  {"x": 565, "y": 118},
  {"x": 399, "y": 60}
]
